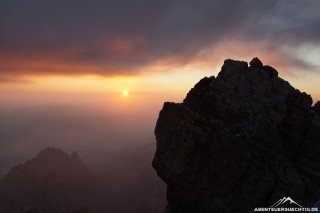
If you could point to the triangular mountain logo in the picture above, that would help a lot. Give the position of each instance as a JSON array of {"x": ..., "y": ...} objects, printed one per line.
[{"x": 285, "y": 201}]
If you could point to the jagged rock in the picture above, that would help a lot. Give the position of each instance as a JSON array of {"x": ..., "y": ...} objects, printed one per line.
[
  {"x": 255, "y": 62},
  {"x": 231, "y": 68},
  {"x": 242, "y": 140}
]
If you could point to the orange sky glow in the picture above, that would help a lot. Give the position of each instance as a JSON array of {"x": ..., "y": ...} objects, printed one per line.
[
  {"x": 64, "y": 68},
  {"x": 165, "y": 80}
]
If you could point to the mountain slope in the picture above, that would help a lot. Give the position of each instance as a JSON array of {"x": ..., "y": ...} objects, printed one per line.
[{"x": 53, "y": 181}]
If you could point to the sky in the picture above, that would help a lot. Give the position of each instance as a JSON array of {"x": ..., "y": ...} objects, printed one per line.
[{"x": 64, "y": 64}]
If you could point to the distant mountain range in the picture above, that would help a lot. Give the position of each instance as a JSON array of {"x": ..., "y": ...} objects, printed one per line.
[{"x": 55, "y": 181}]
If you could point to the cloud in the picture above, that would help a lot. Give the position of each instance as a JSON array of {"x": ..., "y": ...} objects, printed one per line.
[
  {"x": 11, "y": 79},
  {"x": 126, "y": 37}
]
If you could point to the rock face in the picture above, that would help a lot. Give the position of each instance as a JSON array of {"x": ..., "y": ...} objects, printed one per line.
[{"x": 241, "y": 140}]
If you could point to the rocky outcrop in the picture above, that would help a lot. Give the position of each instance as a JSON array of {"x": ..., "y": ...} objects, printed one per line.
[{"x": 241, "y": 140}]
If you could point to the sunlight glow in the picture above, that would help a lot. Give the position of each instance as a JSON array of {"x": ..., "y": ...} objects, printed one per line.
[{"x": 125, "y": 93}]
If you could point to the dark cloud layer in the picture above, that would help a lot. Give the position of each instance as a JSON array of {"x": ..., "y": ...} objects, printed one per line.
[{"x": 123, "y": 36}]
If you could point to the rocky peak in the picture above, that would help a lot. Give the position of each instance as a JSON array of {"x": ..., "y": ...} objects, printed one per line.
[
  {"x": 231, "y": 67},
  {"x": 49, "y": 161},
  {"x": 51, "y": 152},
  {"x": 255, "y": 62},
  {"x": 240, "y": 140},
  {"x": 53, "y": 181}
]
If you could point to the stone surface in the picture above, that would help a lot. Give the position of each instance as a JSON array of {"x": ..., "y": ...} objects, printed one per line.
[{"x": 241, "y": 140}]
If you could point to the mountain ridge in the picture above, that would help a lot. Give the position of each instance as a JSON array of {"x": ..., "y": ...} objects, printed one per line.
[{"x": 55, "y": 181}]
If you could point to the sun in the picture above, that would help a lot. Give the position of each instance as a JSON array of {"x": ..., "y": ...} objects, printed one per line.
[{"x": 125, "y": 93}]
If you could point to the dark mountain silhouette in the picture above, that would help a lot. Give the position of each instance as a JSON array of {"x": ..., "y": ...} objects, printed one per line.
[
  {"x": 54, "y": 181},
  {"x": 238, "y": 141}
]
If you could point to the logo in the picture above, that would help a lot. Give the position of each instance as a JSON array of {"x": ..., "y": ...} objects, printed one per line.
[
  {"x": 286, "y": 204},
  {"x": 284, "y": 201}
]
